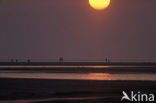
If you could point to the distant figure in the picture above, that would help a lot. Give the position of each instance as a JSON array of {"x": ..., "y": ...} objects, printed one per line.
[
  {"x": 107, "y": 60},
  {"x": 16, "y": 60},
  {"x": 28, "y": 61},
  {"x": 61, "y": 59}
]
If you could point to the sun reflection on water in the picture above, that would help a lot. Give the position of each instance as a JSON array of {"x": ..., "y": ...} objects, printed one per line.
[{"x": 99, "y": 76}]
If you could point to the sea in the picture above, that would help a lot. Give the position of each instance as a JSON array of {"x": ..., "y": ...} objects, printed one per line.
[{"x": 142, "y": 73}]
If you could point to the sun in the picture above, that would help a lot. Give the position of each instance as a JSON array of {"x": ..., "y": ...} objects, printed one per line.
[{"x": 99, "y": 4}]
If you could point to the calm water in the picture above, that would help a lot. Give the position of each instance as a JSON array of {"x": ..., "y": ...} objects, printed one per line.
[{"x": 75, "y": 76}]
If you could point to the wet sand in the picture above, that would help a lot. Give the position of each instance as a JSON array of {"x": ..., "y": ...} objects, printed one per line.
[{"x": 68, "y": 91}]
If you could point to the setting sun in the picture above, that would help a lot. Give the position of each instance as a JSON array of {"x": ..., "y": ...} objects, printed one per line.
[{"x": 99, "y": 4}]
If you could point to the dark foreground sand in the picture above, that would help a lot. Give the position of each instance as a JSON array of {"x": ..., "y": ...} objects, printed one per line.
[{"x": 69, "y": 91}]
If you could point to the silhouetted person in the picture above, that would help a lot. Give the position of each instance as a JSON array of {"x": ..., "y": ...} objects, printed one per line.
[
  {"x": 61, "y": 59},
  {"x": 28, "y": 61},
  {"x": 16, "y": 60},
  {"x": 107, "y": 60}
]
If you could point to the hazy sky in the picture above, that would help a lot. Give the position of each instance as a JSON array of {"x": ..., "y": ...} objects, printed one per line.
[{"x": 47, "y": 29}]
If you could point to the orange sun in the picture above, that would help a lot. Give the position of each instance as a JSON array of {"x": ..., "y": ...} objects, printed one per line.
[{"x": 99, "y": 4}]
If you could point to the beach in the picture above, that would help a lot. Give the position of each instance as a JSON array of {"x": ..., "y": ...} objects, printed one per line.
[
  {"x": 74, "y": 83},
  {"x": 68, "y": 91}
]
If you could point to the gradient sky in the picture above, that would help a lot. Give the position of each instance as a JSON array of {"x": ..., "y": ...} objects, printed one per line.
[{"x": 45, "y": 29}]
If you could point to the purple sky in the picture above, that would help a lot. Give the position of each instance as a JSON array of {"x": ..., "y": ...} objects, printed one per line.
[{"x": 45, "y": 29}]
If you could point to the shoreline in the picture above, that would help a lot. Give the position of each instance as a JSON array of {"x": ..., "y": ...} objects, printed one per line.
[{"x": 26, "y": 89}]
